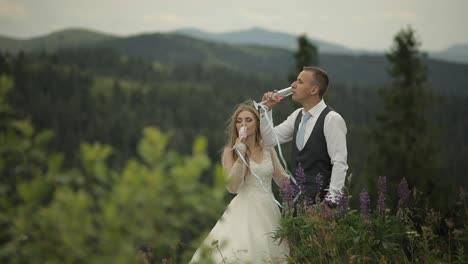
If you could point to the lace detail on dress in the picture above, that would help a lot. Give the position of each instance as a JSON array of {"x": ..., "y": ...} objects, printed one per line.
[{"x": 263, "y": 170}]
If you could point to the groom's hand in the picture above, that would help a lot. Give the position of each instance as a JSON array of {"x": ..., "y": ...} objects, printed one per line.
[{"x": 268, "y": 97}]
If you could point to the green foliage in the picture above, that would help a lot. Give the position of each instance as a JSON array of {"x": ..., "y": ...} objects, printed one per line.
[
  {"x": 151, "y": 210},
  {"x": 5, "y": 85},
  {"x": 22, "y": 150},
  {"x": 406, "y": 145},
  {"x": 318, "y": 234},
  {"x": 154, "y": 204},
  {"x": 99, "y": 95}
]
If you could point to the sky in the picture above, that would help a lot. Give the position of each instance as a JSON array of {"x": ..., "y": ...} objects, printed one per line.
[{"x": 359, "y": 24}]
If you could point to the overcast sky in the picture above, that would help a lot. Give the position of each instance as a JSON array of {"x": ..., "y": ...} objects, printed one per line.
[{"x": 363, "y": 24}]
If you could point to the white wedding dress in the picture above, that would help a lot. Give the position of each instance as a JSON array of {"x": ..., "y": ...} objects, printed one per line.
[{"x": 246, "y": 228}]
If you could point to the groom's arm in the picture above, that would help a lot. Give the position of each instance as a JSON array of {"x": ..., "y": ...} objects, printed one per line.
[
  {"x": 279, "y": 174},
  {"x": 284, "y": 131},
  {"x": 335, "y": 133}
]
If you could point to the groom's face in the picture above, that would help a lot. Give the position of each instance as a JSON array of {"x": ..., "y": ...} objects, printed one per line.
[{"x": 304, "y": 87}]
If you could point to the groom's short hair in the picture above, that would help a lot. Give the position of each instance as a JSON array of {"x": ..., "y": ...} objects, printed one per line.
[{"x": 321, "y": 78}]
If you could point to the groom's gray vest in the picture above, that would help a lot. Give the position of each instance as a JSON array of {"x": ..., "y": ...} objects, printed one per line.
[{"x": 313, "y": 158}]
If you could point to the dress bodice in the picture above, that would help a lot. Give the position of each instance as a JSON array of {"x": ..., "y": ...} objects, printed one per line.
[{"x": 264, "y": 171}]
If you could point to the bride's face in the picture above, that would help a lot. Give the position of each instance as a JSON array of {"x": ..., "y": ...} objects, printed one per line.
[{"x": 247, "y": 119}]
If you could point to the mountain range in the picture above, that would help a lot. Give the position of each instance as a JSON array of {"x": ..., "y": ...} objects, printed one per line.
[
  {"x": 255, "y": 51},
  {"x": 259, "y": 36},
  {"x": 262, "y": 37},
  {"x": 256, "y": 36},
  {"x": 69, "y": 38}
]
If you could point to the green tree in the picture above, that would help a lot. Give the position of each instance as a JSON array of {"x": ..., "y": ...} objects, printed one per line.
[
  {"x": 28, "y": 174},
  {"x": 154, "y": 209},
  {"x": 404, "y": 139},
  {"x": 156, "y": 205},
  {"x": 306, "y": 55}
]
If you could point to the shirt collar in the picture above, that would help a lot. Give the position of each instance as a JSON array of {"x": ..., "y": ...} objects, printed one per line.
[{"x": 317, "y": 109}]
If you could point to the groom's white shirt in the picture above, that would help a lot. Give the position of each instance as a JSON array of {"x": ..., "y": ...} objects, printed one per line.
[{"x": 335, "y": 135}]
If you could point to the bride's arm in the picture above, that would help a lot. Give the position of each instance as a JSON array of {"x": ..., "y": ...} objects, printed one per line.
[
  {"x": 235, "y": 171},
  {"x": 279, "y": 174}
]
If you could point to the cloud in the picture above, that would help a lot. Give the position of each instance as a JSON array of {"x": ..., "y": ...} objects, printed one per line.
[
  {"x": 10, "y": 9},
  {"x": 405, "y": 15},
  {"x": 387, "y": 17},
  {"x": 402, "y": 15},
  {"x": 148, "y": 18},
  {"x": 170, "y": 19},
  {"x": 258, "y": 18}
]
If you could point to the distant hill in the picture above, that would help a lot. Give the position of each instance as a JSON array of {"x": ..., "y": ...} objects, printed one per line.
[
  {"x": 256, "y": 36},
  {"x": 174, "y": 48},
  {"x": 9, "y": 44},
  {"x": 358, "y": 70},
  {"x": 56, "y": 40},
  {"x": 171, "y": 48},
  {"x": 263, "y": 37},
  {"x": 455, "y": 53}
]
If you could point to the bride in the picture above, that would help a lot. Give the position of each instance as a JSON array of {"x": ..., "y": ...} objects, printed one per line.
[{"x": 244, "y": 232}]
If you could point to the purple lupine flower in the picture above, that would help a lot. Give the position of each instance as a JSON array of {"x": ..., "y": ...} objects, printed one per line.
[
  {"x": 364, "y": 200},
  {"x": 381, "y": 204},
  {"x": 403, "y": 193},
  {"x": 300, "y": 175},
  {"x": 288, "y": 191},
  {"x": 308, "y": 200},
  {"x": 300, "y": 180},
  {"x": 382, "y": 184},
  {"x": 341, "y": 204},
  {"x": 381, "y": 190}
]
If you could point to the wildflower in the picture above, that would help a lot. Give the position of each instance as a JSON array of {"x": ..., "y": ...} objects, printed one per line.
[
  {"x": 308, "y": 200},
  {"x": 341, "y": 204},
  {"x": 300, "y": 175},
  {"x": 364, "y": 200},
  {"x": 381, "y": 190},
  {"x": 300, "y": 181},
  {"x": 288, "y": 191},
  {"x": 403, "y": 193},
  {"x": 382, "y": 184}
]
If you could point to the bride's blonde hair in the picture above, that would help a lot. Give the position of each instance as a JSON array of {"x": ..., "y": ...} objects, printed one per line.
[{"x": 231, "y": 131}]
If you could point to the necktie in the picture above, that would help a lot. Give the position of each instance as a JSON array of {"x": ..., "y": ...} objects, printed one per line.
[{"x": 301, "y": 131}]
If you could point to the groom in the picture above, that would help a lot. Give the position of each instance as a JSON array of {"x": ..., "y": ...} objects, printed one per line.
[{"x": 318, "y": 134}]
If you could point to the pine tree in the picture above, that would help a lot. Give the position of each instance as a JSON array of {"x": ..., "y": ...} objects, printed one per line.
[
  {"x": 306, "y": 55},
  {"x": 404, "y": 138}
]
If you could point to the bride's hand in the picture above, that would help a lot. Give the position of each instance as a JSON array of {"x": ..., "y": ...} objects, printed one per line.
[
  {"x": 240, "y": 145},
  {"x": 240, "y": 140}
]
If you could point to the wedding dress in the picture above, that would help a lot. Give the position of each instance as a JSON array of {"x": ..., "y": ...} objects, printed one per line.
[{"x": 245, "y": 230}]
